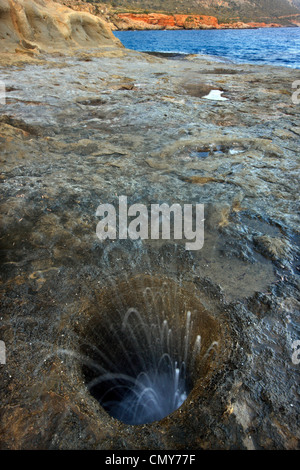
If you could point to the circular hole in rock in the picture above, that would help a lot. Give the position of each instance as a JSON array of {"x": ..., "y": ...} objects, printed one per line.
[{"x": 149, "y": 344}]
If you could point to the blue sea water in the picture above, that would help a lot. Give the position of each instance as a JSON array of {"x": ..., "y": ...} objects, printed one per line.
[{"x": 273, "y": 46}]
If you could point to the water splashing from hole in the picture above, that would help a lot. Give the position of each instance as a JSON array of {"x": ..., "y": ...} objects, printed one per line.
[
  {"x": 144, "y": 360},
  {"x": 162, "y": 385}
]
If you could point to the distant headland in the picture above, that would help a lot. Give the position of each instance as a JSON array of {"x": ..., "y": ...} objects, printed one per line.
[{"x": 207, "y": 15}]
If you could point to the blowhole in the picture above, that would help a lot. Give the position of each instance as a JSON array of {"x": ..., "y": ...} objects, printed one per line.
[{"x": 147, "y": 348}]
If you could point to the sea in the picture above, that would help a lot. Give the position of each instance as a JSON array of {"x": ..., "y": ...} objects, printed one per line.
[{"x": 272, "y": 46}]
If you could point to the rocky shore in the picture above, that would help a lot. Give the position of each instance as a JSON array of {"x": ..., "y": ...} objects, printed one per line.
[{"x": 82, "y": 124}]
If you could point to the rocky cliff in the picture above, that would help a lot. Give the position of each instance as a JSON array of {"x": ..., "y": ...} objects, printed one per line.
[
  {"x": 226, "y": 11},
  {"x": 162, "y": 21},
  {"x": 122, "y": 19},
  {"x": 30, "y": 26}
]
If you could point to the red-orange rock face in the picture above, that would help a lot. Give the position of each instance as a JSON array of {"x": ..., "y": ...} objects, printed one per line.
[
  {"x": 172, "y": 21},
  {"x": 160, "y": 21}
]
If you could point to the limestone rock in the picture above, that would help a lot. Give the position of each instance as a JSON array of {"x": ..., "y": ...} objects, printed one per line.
[{"x": 31, "y": 26}]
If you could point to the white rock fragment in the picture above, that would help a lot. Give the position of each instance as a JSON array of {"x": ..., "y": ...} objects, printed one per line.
[{"x": 215, "y": 95}]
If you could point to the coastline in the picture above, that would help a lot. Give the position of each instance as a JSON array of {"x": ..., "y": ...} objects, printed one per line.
[
  {"x": 156, "y": 21},
  {"x": 123, "y": 21},
  {"x": 233, "y": 46}
]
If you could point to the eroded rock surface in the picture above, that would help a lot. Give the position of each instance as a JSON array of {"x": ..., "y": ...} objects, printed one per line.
[
  {"x": 82, "y": 129},
  {"x": 29, "y": 26}
]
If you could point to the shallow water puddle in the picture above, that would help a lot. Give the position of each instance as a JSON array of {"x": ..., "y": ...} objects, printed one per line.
[{"x": 200, "y": 154}]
